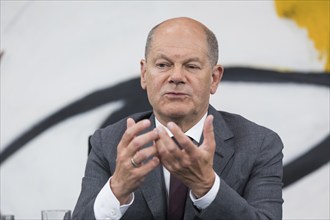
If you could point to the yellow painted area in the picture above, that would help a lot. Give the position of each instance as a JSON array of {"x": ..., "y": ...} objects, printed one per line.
[{"x": 314, "y": 16}]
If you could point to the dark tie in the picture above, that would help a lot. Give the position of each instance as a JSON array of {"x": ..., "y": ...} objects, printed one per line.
[{"x": 177, "y": 198}]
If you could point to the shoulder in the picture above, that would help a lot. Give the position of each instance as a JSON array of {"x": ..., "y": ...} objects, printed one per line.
[
  {"x": 238, "y": 123},
  {"x": 249, "y": 133},
  {"x": 244, "y": 129}
]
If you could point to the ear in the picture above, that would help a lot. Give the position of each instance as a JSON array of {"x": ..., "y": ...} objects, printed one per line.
[
  {"x": 143, "y": 70},
  {"x": 216, "y": 78}
]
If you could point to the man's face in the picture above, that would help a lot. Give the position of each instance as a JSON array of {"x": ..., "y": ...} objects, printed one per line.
[{"x": 178, "y": 75}]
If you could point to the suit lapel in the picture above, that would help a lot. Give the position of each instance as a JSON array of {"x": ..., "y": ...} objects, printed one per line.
[
  {"x": 223, "y": 151},
  {"x": 154, "y": 193},
  {"x": 154, "y": 189}
]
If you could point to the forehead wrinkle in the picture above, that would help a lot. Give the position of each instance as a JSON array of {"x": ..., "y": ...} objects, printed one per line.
[
  {"x": 160, "y": 50},
  {"x": 178, "y": 45}
]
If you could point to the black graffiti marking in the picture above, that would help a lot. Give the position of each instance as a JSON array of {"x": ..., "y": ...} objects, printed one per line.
[
  {"x": 130, "y": 92},
  {"x": 135, "y": 100},
  {"x": 263, "y": 76},
  {"x": 307, "y": 163}
]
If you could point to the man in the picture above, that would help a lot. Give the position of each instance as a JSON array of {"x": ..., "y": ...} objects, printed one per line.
[{"x": 231, "y": 167}]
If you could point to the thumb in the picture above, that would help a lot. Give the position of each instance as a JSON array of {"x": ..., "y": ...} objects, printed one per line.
[{"x": 208, "y": 133}]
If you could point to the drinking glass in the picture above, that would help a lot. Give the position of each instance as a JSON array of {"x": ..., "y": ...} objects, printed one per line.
[{"x": 56, "y": 215}]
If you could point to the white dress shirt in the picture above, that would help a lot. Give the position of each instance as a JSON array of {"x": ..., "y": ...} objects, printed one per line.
[{"x": 107, "y": 206}]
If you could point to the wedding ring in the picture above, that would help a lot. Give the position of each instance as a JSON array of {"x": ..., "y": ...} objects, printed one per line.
[{"x": 134, "y": 164}]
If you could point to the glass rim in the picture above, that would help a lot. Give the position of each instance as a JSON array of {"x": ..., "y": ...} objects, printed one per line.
[{"x": 56, "y": 210}]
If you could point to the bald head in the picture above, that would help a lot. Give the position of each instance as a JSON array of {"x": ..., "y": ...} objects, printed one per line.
[{"x": 188, "y": 27}]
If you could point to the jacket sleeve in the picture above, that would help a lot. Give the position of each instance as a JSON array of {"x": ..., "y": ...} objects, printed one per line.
[
  {"x": 261, "y": 194},
  {"x": 97, "y": 173}
]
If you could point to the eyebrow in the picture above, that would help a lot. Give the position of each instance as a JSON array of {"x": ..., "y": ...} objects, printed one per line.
[{"x": 190, "y": 59}]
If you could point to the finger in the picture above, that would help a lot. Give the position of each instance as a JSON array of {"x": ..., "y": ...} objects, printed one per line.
[
  {"x": 148, "y": 166},
  {"x": 165, "y": 142},
  {"x": 169, "y": 152},
  {"x": 140, "y": 141},
  {"x": 162, "y": 141},
  {"x": 208, "y": 133},
  {"x": 130, "y": 122},
  {"x": 143, "y": 154},
  {"x": 132, "y": 130},
  {"x": 183, "y": 140},
  {"x": 146, "y": 153}
]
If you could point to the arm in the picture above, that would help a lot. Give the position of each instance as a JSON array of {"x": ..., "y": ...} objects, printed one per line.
[
  {"x": 125, "y": 178},
  {"x": 254, "y": 188},
  {"x": 97, "y": 173},
  {"x": 261, "y": 197},
  {"x": 107, "y": 206}
]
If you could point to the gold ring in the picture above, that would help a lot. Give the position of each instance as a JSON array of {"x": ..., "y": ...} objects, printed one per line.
[{"x": 134, "y": 164}]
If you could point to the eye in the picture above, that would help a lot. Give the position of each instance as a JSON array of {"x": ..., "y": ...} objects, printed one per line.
[
  {"x": 163, "y": 65},
  {"x": 193, "y": 67}
]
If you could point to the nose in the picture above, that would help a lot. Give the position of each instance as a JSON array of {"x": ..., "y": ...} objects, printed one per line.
[{"x": 177, "y": 76}]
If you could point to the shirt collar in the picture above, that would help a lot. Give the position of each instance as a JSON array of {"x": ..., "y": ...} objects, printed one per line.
[{"x": 195, "y": 132}]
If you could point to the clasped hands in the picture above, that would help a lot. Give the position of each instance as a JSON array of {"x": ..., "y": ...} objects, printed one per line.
[{"x": 191, "y": 164}]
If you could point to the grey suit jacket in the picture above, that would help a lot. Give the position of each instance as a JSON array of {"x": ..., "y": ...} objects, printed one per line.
[{"x": 248, "y": 159}]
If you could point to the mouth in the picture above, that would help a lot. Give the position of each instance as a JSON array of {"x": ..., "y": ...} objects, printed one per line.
[{"x": 175, "y": 94}]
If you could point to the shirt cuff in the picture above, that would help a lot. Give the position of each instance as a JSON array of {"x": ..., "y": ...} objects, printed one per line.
[
  {"x": 107, "y": 206},
  {"x": 207, "y": 199}
]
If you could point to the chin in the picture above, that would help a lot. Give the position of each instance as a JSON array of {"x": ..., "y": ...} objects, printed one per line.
[
  {"x": 176, "y": 112},
  {"x": 173, "y": 111}
]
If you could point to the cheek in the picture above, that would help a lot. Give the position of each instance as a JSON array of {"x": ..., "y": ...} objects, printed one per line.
[
  {"x": 155, "y": 81},
  {"x": 153, "y": 87},
  {"x": 202, "y": 95},
  {"x": 202, "y": 87},
  {"x": 151, "y": 83}
]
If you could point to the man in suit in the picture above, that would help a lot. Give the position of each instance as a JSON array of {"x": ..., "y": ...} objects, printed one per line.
[{"x": 229, "y": 167}]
